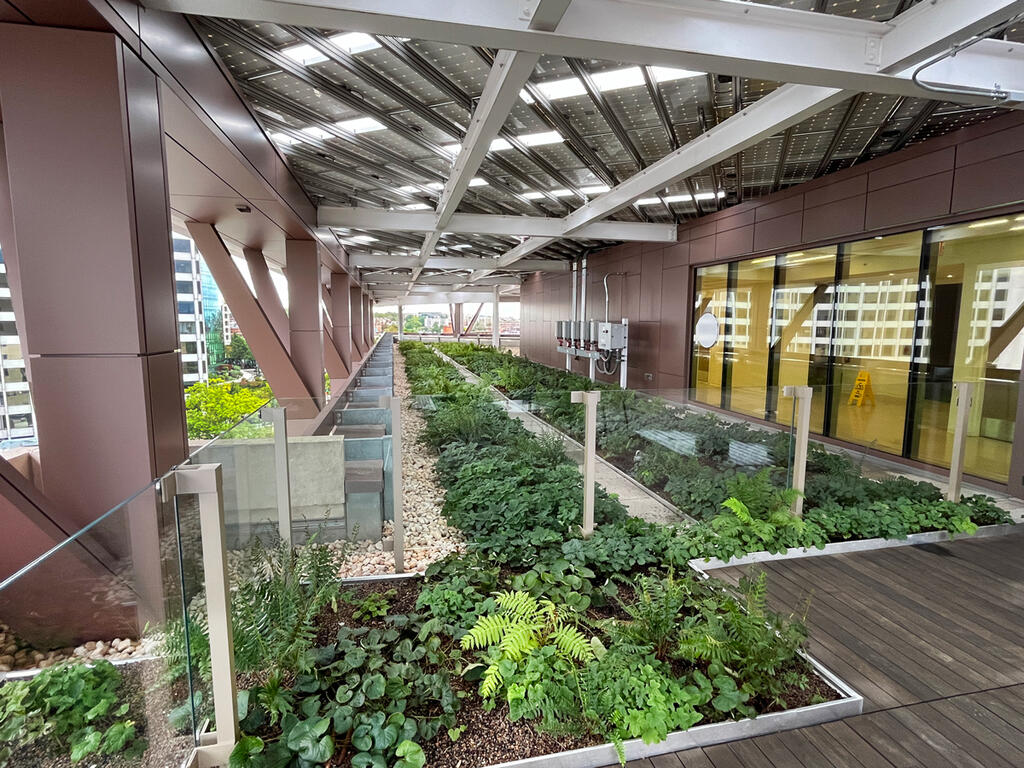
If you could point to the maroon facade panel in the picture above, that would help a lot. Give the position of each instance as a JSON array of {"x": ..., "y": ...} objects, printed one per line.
[{"x": 976, "y": 172}]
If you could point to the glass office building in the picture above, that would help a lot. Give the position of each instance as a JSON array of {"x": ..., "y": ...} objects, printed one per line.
[{"x": 880, "y": 329}]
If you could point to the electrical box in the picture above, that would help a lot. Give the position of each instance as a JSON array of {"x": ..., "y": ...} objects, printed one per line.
[{"x": 611, "y": 336}]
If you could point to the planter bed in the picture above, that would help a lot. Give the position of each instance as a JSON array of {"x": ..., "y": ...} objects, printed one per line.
[
  {"x": 490, "y": 736},
  {"x": 149, "y": 701},
  {"x": 857, "y": 545},
  {"x": 739, "y": 509},
  {"x": 568, "y": 439}
]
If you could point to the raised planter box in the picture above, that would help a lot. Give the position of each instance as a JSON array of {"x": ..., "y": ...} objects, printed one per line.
[
  {"x": 851, "y": 703},
  {"x": 517, "y": 412},
  {"x": 856, "y": 545}
]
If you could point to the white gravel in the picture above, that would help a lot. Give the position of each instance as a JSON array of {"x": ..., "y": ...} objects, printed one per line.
[{"x": 428, "y": 537}]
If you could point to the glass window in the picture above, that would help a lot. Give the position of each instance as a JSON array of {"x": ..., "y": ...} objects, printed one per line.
[
  {"x": 747, "y": 335},
  {"x": 18, "y": 398},
  {"x": 14, "y": 375},
  {"x": 973, "y": 334},
  {"x": 186, "y": 307},
  {"x": 189, "y": 348},
  {"x": 12, "y": 352},
  {"x": 181, "y": 246},
  {"x": 710, "y": 303},
  {"x": 186, "y": 328},
  {"x": 8, "y": 328},
  {"x": 802, "y": 325},
  {"x": 871, "y": 370},
  {"x": 183, "y": 267},
  {"x": 184, "y": 286},
  {"x": 21, "y": 420},
  {"x": 190, "y": 367}
]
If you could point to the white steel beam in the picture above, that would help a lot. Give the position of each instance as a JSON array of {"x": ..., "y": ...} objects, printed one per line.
[
  {"x": 491, "y": 224},
  {"x": 388, "y": 278},
  {"x": 507, "y": 76},
  {"x": 375, "y": 261},
  {"x": 785, "y": 107},
  {"x": 724, "y": 36}
]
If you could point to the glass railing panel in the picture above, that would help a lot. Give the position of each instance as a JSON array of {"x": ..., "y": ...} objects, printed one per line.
[
  {"x": 112, "y": 596},
  {"x": 246, "y": 453}
]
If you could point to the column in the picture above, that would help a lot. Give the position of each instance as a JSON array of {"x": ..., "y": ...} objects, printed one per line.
[
  {"x": 495, "y": 330},
  {"x": 368, "y": 326},
  {"x": 91, "y": 259},
  {"x": 356, "y": 299},
  {"x": 89, "y": 202},
  {"x": 304, "y": 317},
  {"x": 340, "y": 317},
  {"x": 401, "y": 324},
  {"x": 457, "y": 322}
]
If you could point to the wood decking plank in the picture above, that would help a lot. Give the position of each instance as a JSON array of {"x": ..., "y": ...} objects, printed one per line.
[{"x": 693, "y": 758}]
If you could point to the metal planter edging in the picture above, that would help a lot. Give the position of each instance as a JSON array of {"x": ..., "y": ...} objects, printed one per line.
[
  {"x": 856, "y": 545},
  {"x": 851, "y": 704}
]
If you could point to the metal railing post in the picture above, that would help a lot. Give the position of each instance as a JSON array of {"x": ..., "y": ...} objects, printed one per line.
[
  {"x": 396, "y": 482},
  {"x": 205, "y": 481},
  {"x": 277, "y": 417},
  {"x": 802, "y": 434},
  {"x": 589, "y": 400},
  {"x": 964, "y": 399}
]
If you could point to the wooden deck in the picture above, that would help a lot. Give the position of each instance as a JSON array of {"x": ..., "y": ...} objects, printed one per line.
[{"x": 932, "y": 636}]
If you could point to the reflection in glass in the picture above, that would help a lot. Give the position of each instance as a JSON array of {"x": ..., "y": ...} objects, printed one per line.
[
  {"x": 974, "y": 309},
  {"x": 874, "y": 336},
  {"x": 710, "y": 297},
  {"x": 747, "y": 341},
  {"x": 802, "y": 325}
]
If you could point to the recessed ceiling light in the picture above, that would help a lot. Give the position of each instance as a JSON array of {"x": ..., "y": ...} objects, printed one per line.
[
  {"x": 364, "y": 239},
  {"x": 560, "y": 192},
  {"x": 1017, "y": 228},
  {"x": 989, "y": 223},
  {"x": 684, "y": 198},
  {"x": 948, "y": 275},
  {"x": 477, "y": 182},
  {"x": 408, "y": 188},
  {"x": 529, "y": 139},
  {"x": 649, "y": 201},
  {"x": 304, "y": 54},
  {"x": 533, "y": 195},
  {"x": 452, "y": 149},
  {"x": 415, "y": 207},
  {"x": 354, "y": 42},
  {"x": 360, "y": 125},
  {"x": 435, "y": 185},
  {"x": 596, "y": 189}
]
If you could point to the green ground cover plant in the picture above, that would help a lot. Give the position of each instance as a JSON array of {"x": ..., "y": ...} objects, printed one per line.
[{"x": 728, "y": 498}]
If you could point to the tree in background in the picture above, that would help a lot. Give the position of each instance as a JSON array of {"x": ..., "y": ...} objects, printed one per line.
[
  {"x": 212, "y": 408},
  {"x": 239, "y": 351},
  {"x": 414, "y": 324}
]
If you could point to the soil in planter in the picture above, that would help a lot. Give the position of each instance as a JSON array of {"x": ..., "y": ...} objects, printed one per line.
[
  {"x": 404, "y": 602},
  {"x": 149, "y": 703},
  {"x": 491, "y": 738}
]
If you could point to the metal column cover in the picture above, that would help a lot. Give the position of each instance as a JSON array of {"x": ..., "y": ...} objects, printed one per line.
[
  {"x": 341, "y": 320},
  {"x": 359, "y": 347},
  {"x": 305, "y": 321}
]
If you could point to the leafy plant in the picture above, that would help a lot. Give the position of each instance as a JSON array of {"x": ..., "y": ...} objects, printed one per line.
[
  {"x": 374, "y": 605},
  {"x": 521, "y": 626},
  {"x": 75, "y": 705}
]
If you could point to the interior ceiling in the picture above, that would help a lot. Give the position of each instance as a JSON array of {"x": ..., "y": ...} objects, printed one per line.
[{"x": 425, "y": 91}]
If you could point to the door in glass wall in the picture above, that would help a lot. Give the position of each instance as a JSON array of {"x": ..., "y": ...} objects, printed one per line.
[
  {"x": 707, "y": 370},
  {"x": 747, "y": 341},
  {"x": 873, "y": 340},
  {"x": 975, "y": 305},
  {"x": 802, "y": 328}
]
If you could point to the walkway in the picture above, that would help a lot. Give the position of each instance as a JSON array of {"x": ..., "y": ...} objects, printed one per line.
[{"x": 930, "y": 635}]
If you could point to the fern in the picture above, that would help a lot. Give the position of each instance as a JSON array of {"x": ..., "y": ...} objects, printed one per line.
[{"x": 521, "y": 626}]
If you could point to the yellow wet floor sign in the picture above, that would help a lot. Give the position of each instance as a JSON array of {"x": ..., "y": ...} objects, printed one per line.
[{"x": 862, "y": 390}]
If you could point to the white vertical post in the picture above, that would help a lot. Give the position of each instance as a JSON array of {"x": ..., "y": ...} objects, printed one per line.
[
  {"x": 589, "y": 400},
  {"x": 802, "y": 434},
  {"x": 205, "y": 481},
  {"x": 401, "y": 323},
  {"x": 282, "y": 478},
  {"x": 624, "y": 362},
  {"x": 963, "y": 397},
  {"x": 396, "y": 482},
  {"x": 495, "y": 328}
]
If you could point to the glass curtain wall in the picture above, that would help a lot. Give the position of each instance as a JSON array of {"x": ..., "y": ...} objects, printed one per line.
[{"x": 880, "y": 329}]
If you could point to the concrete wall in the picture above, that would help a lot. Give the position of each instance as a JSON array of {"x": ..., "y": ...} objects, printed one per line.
[{"x": 317, "y": 469}]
